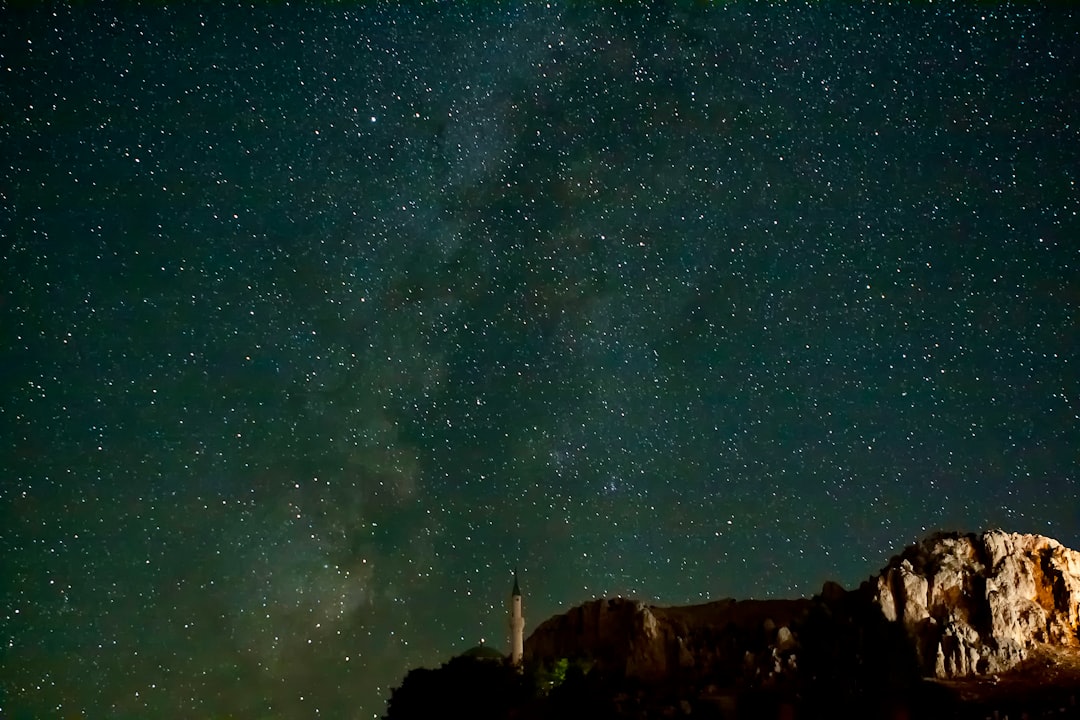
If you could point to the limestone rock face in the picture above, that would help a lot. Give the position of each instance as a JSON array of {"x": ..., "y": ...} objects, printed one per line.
[
  {"x": 980, "y": 604},
  {"x": 648, "y": 642},
  {"x": 615, "y": 631},
  {"x": 950, "y": 606}
]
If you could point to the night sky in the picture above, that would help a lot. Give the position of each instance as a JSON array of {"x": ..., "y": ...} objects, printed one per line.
[{"x": 317, "y": 321}]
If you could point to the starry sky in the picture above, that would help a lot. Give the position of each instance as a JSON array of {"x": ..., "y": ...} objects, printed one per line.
[{"x": 316, "y": 321}]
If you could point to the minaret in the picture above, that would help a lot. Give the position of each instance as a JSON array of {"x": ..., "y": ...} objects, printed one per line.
[{"x": 517, "y": 625}]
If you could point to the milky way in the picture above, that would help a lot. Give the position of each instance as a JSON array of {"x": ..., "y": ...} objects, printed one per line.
[{"x": 316, "y": 322}]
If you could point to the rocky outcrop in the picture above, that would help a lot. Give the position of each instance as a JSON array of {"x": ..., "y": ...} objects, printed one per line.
[
  {"x": 781, "y": 645},
  {"x": 917, "y": 640},
  {"x": 975, "y": 604},
  {"x": 723, "y": 639},
  {"x": 953, "y": 605},
  {"x": 619, "y": 633}
]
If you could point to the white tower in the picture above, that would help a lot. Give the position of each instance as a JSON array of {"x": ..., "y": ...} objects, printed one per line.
[{"x": 517, "y": 625}]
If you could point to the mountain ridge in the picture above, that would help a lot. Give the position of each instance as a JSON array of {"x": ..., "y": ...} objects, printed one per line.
[{"x": 954, "y": 625}]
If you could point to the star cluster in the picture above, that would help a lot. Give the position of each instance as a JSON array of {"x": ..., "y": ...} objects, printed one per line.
[{"x": 317, "y": 321}]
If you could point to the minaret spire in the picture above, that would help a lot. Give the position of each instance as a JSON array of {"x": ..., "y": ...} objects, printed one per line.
[{"x": 517, "y": 624}]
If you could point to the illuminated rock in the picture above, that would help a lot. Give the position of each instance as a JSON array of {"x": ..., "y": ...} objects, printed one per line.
[{"x": 981, "y": 604}]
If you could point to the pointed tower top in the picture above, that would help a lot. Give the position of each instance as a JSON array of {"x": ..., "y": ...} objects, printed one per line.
[{"x": 517, "y": 590}]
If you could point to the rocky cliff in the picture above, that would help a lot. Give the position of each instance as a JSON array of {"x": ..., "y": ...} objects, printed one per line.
[
  {"x": 833, "y": 642},
  {"x": 955, "y": 626},
  {"x": 950, "y": 606},
  {"x": 979, "y": 604},
  {"x": 648, "y": 642}
]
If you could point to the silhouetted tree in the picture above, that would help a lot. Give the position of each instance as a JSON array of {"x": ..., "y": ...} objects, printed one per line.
[{"x": 464, "y": 687}]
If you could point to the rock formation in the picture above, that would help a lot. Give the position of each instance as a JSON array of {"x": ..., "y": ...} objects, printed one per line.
[
  {"x": 966, "y": 604},
  {"x": 919, "y": 640},
  {"x": 981, "y": 604},
  {"x": 726, "y": 638}
]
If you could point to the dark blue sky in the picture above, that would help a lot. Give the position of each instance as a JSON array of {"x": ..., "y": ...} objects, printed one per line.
[{"x": 316, "y": 322}]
